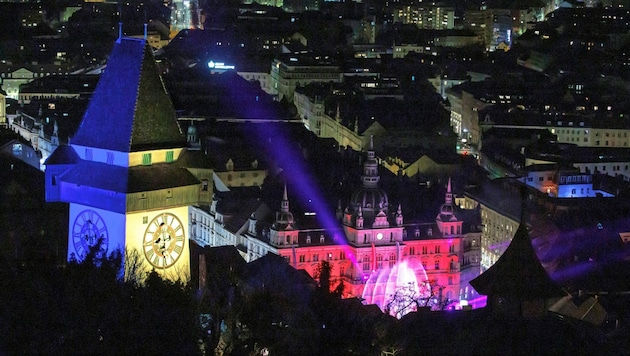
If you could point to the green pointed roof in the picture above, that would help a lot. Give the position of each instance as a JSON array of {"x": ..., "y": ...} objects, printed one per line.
[{"x": 130, "y": 109}]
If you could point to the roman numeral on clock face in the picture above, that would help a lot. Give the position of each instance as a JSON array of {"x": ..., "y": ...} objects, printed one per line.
[{"x": 163, "y": 241}]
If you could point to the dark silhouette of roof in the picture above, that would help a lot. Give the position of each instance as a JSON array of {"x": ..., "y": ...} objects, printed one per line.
[
  {"x": 63, "y": 154},
  {"x": 130, "y": 110},
  {"x": 518, "y": 273}
]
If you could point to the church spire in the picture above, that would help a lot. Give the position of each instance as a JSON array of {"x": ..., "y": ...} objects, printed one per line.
[
  {"x": 370, "y": 175},
  {"x": 284, "y": 218},
  {"x": 447, "y": 210},
  {"x": 449, "y": 195},
  {"x": 284, "y": 206}
]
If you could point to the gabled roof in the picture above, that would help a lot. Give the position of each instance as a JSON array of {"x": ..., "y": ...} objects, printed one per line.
[
  {"x": 518, "y": 273},
  {"x": 63, "y": 154},
  {"x": 130, "y": 110}
]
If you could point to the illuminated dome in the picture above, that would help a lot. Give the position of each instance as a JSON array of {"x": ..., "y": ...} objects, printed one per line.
[
  {"x": 370, "y": 200},
  {"x": 383, "y": 284}
]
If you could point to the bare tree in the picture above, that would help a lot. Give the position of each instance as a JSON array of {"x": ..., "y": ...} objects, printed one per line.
[
  {"x": 409, "y": 297},
  {"x": 133, "y": 267}
]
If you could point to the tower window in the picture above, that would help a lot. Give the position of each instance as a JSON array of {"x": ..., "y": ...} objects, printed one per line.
[
  {"x": 169, "y": 156},
  {"x": 146, "y": 159}
]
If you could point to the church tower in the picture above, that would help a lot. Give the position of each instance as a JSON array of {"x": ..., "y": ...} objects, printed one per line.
[
  {"x": 283, "y": 231},
  {"x": 366, "y": 220},
  {"x": 447, "y": 220},
  {"x": 122, "y": 174}
]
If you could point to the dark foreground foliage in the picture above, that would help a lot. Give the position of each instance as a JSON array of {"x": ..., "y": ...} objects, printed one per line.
[{"x": 87, "y": 308}]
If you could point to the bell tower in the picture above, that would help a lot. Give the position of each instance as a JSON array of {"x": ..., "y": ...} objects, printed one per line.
[{"x": 122, "y": 174}]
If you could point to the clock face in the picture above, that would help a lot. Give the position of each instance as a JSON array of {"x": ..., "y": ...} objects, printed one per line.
[
  {"x": 163, "y": 240},
  {"x": 88, "y": 230},
  {"x": 379, "y": 236}
]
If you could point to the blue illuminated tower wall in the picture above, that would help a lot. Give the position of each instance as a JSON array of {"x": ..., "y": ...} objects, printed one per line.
[{"x": 122, "y": 173}]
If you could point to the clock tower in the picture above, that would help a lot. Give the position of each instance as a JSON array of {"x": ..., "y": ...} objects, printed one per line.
[{"x": 122, "y": 173}]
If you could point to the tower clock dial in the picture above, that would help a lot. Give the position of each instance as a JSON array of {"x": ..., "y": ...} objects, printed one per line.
[
  {"x": 163, "y": 242},
  {"x": 88, "y": 230}
]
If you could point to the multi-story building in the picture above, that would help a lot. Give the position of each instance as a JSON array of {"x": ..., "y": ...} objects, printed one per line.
[
  {"x": 562, "y": 183},
  {"x": 596, "y": 126},
  {"x": 52, "y": 87},
  {"x": 291, "y": 71},
  {"x": 500, "y": 218},
  {"x": 499, "y": 26},
  {"x": 366, "y": 240},
  {"x": 561, "y": 227},
  {"x": 464, "y": 116},
  {"x": 592, "y": 144},
  {"x": 311, "y": 108},
  {"x": 12, "y": 76},
  {"x": 426, "y": 17}
]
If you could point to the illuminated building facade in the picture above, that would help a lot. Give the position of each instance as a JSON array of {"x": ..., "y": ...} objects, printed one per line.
[
  {"x": 312, "y": 111},
  {"x": 124, "y": 173},
  {"x": 370, "y": 238},
  {"x": 561, "y": 183},
  {"x": 426, "y": 17},
  {"x": 131, "y": 184},
  {"x": 292, "y": 71}
]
